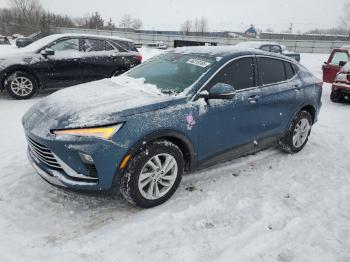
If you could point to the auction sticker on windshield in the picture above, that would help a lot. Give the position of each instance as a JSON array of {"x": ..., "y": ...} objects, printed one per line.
[{"x": 198, "y": 62}]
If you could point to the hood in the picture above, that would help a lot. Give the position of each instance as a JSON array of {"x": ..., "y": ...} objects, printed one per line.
[{"x": 97, "y": 103}]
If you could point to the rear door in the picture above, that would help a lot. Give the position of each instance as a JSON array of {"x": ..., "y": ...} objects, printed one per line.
[
  {"x": 99, "y": 59},
  {"x": 282, "y": 94},
  {"x": 332, "y": 66}
]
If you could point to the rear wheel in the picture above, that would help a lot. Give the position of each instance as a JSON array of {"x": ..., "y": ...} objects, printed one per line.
[
  {"x": 21, "y": 85},
  {"x": 298, "y": 133},
  {"x": 153, "y": 175},
  {"x": 335, "y": 97}
]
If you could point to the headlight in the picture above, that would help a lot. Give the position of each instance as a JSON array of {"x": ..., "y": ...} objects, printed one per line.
[{"x": 101, "y": 132}]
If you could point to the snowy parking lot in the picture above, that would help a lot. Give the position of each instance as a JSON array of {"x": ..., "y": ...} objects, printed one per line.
[{"x": 264, "y": 207}]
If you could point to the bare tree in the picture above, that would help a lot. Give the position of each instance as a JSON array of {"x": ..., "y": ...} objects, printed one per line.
[
  {"x": 186, "y": 27},
  {"x": 203, "y": 25},
  {"x": 196, "y": 25},
  {"x": 345, "y": 18},
  {"x": 136, "y": 23},
  {"x": 29, "y": 10},
  {"x": 126, "y": 21}
]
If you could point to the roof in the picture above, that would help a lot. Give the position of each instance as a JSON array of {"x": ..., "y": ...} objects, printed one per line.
[
  {"x": 256, "y": 44},
  {"x": 91, "y": 35},
  {"x": 37, "y": 45},
  {"x": 223, "y": 51}
]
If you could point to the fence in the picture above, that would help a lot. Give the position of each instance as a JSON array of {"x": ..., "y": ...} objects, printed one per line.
[{"x": 301, "y": 46}]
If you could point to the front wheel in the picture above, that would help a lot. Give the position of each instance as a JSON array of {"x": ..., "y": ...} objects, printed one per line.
[
  {"x": 298, "y": 133},
  {"x": 21, "y": 85},
  {"x": 153, "y": 175}
]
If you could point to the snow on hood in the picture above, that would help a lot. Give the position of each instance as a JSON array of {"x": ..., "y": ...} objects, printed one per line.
[{"x": 94, "y": 104}]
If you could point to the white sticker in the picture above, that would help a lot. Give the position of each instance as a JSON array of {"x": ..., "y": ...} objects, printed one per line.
[{"x": 198, "y": 62}]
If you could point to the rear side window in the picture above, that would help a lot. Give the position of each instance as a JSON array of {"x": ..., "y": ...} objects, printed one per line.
[
  {"x": 271, "y": 71},
  {"x": 339, "y": 57},
  {"x": 239, "y": 74},
  {"x": 289, "y": 70}
]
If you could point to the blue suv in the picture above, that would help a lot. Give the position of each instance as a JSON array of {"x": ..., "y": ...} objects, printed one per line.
[{"x": 182, "y": 110}]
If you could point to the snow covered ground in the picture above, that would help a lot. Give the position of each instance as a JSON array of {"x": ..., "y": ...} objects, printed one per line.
[{"x": 265, "y": 207}]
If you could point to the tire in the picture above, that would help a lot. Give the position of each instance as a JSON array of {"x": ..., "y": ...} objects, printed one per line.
[
  {"x": 21, "y": 85},
  {"x": 335, "y": 97},
  {"x": 133, "y": 184},
  {"x": 298, "y": 133}
]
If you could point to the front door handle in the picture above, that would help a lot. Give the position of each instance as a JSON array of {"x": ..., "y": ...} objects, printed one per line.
[{"x": 253, "y": 99}]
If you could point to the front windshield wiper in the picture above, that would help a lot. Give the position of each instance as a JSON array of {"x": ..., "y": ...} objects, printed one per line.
[{"x": 168, "y": 92}]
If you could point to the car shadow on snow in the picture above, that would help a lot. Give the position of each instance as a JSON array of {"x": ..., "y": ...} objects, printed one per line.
[{"x": 40, "y": 94}]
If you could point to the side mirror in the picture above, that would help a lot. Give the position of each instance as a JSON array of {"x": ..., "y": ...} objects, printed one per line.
[
  {"x": 219, "y": 91},
  {"x": 47, "y": 52},
  {"x": 342, "y": 63}
]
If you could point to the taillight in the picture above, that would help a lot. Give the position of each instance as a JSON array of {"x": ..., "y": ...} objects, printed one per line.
[
  {"x": 319, "y": 84},
  {"x": 138, "y": 58}
]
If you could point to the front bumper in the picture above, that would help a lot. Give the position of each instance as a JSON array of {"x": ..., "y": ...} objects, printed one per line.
[
  {"x": 57, "y": 178},
  {"x": 59, "y": 162}
]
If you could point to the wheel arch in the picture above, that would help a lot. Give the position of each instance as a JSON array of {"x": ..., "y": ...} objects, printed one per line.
[
  {"x": 21, "y": 68},
  {"x": 176, "y": 137},
  {"x": 311, "y": 110}
]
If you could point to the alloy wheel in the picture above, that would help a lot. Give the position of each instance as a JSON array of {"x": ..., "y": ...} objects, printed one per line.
[
  {"x": 301, "y": 132},
  {"x": 21, "y": 86},
  {"x": 158, "y": 176}
]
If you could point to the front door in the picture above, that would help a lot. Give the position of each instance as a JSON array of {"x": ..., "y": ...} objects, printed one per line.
[
  {"x": 229, "y": 127},
  {"x": 333, "y": 65},
  {"x": 64, "y": 68}
]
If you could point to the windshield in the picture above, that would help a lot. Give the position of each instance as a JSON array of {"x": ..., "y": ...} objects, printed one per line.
[
  {"x": 173, "y": 72},
  {"x": 37, "y": 45}
]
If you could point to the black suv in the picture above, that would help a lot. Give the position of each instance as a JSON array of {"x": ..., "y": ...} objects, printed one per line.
[
  {"x": 24, "y": 41},
  {"x": 58, "y": 61}
]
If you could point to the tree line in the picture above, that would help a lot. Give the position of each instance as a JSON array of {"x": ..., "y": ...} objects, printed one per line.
[{"x": 28, "y": 16}]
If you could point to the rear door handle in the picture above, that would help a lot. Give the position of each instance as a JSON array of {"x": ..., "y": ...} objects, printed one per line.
[{"x": 297, "y": 88}]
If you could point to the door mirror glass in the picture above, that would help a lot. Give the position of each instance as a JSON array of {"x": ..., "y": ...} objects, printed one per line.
[
  {"x": 219, "y": 91},
  {"x": 47, "y": 52}
]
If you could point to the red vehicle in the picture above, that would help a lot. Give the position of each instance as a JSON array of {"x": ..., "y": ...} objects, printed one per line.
[
  {"x": 338, "y": 58},
  {"x": 341, "y": 85}
]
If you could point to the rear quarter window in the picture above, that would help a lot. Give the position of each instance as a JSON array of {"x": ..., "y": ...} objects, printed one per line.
[
  {"x": 290, "y": 73},
  {"x": 271, "y": 70}
]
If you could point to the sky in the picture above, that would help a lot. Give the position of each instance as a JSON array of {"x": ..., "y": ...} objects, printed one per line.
[{"x": 222, "y": 14}]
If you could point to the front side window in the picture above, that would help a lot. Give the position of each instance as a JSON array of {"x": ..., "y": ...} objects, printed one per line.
[
  {"x": 94, "y": 45},
  {"x": 66, "y": 45},
  {"x": 240, "y": 74},
  {"x": 276, "y": 49},
  {"x": 173, "y": 72},
  {"x": 271, "y": 71},
  {"x": 339, "y": 57},
  {"x": 265, "y": 48}
]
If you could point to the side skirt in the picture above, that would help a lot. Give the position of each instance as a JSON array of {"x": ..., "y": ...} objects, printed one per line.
[{"x": 238, "y": 152}]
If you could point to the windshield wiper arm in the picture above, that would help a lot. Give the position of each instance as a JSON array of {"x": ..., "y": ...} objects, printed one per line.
[{"x": 168, "y": 92}]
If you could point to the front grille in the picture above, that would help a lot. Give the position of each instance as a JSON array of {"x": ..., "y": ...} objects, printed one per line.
[{"x": 43, "y": 154}]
